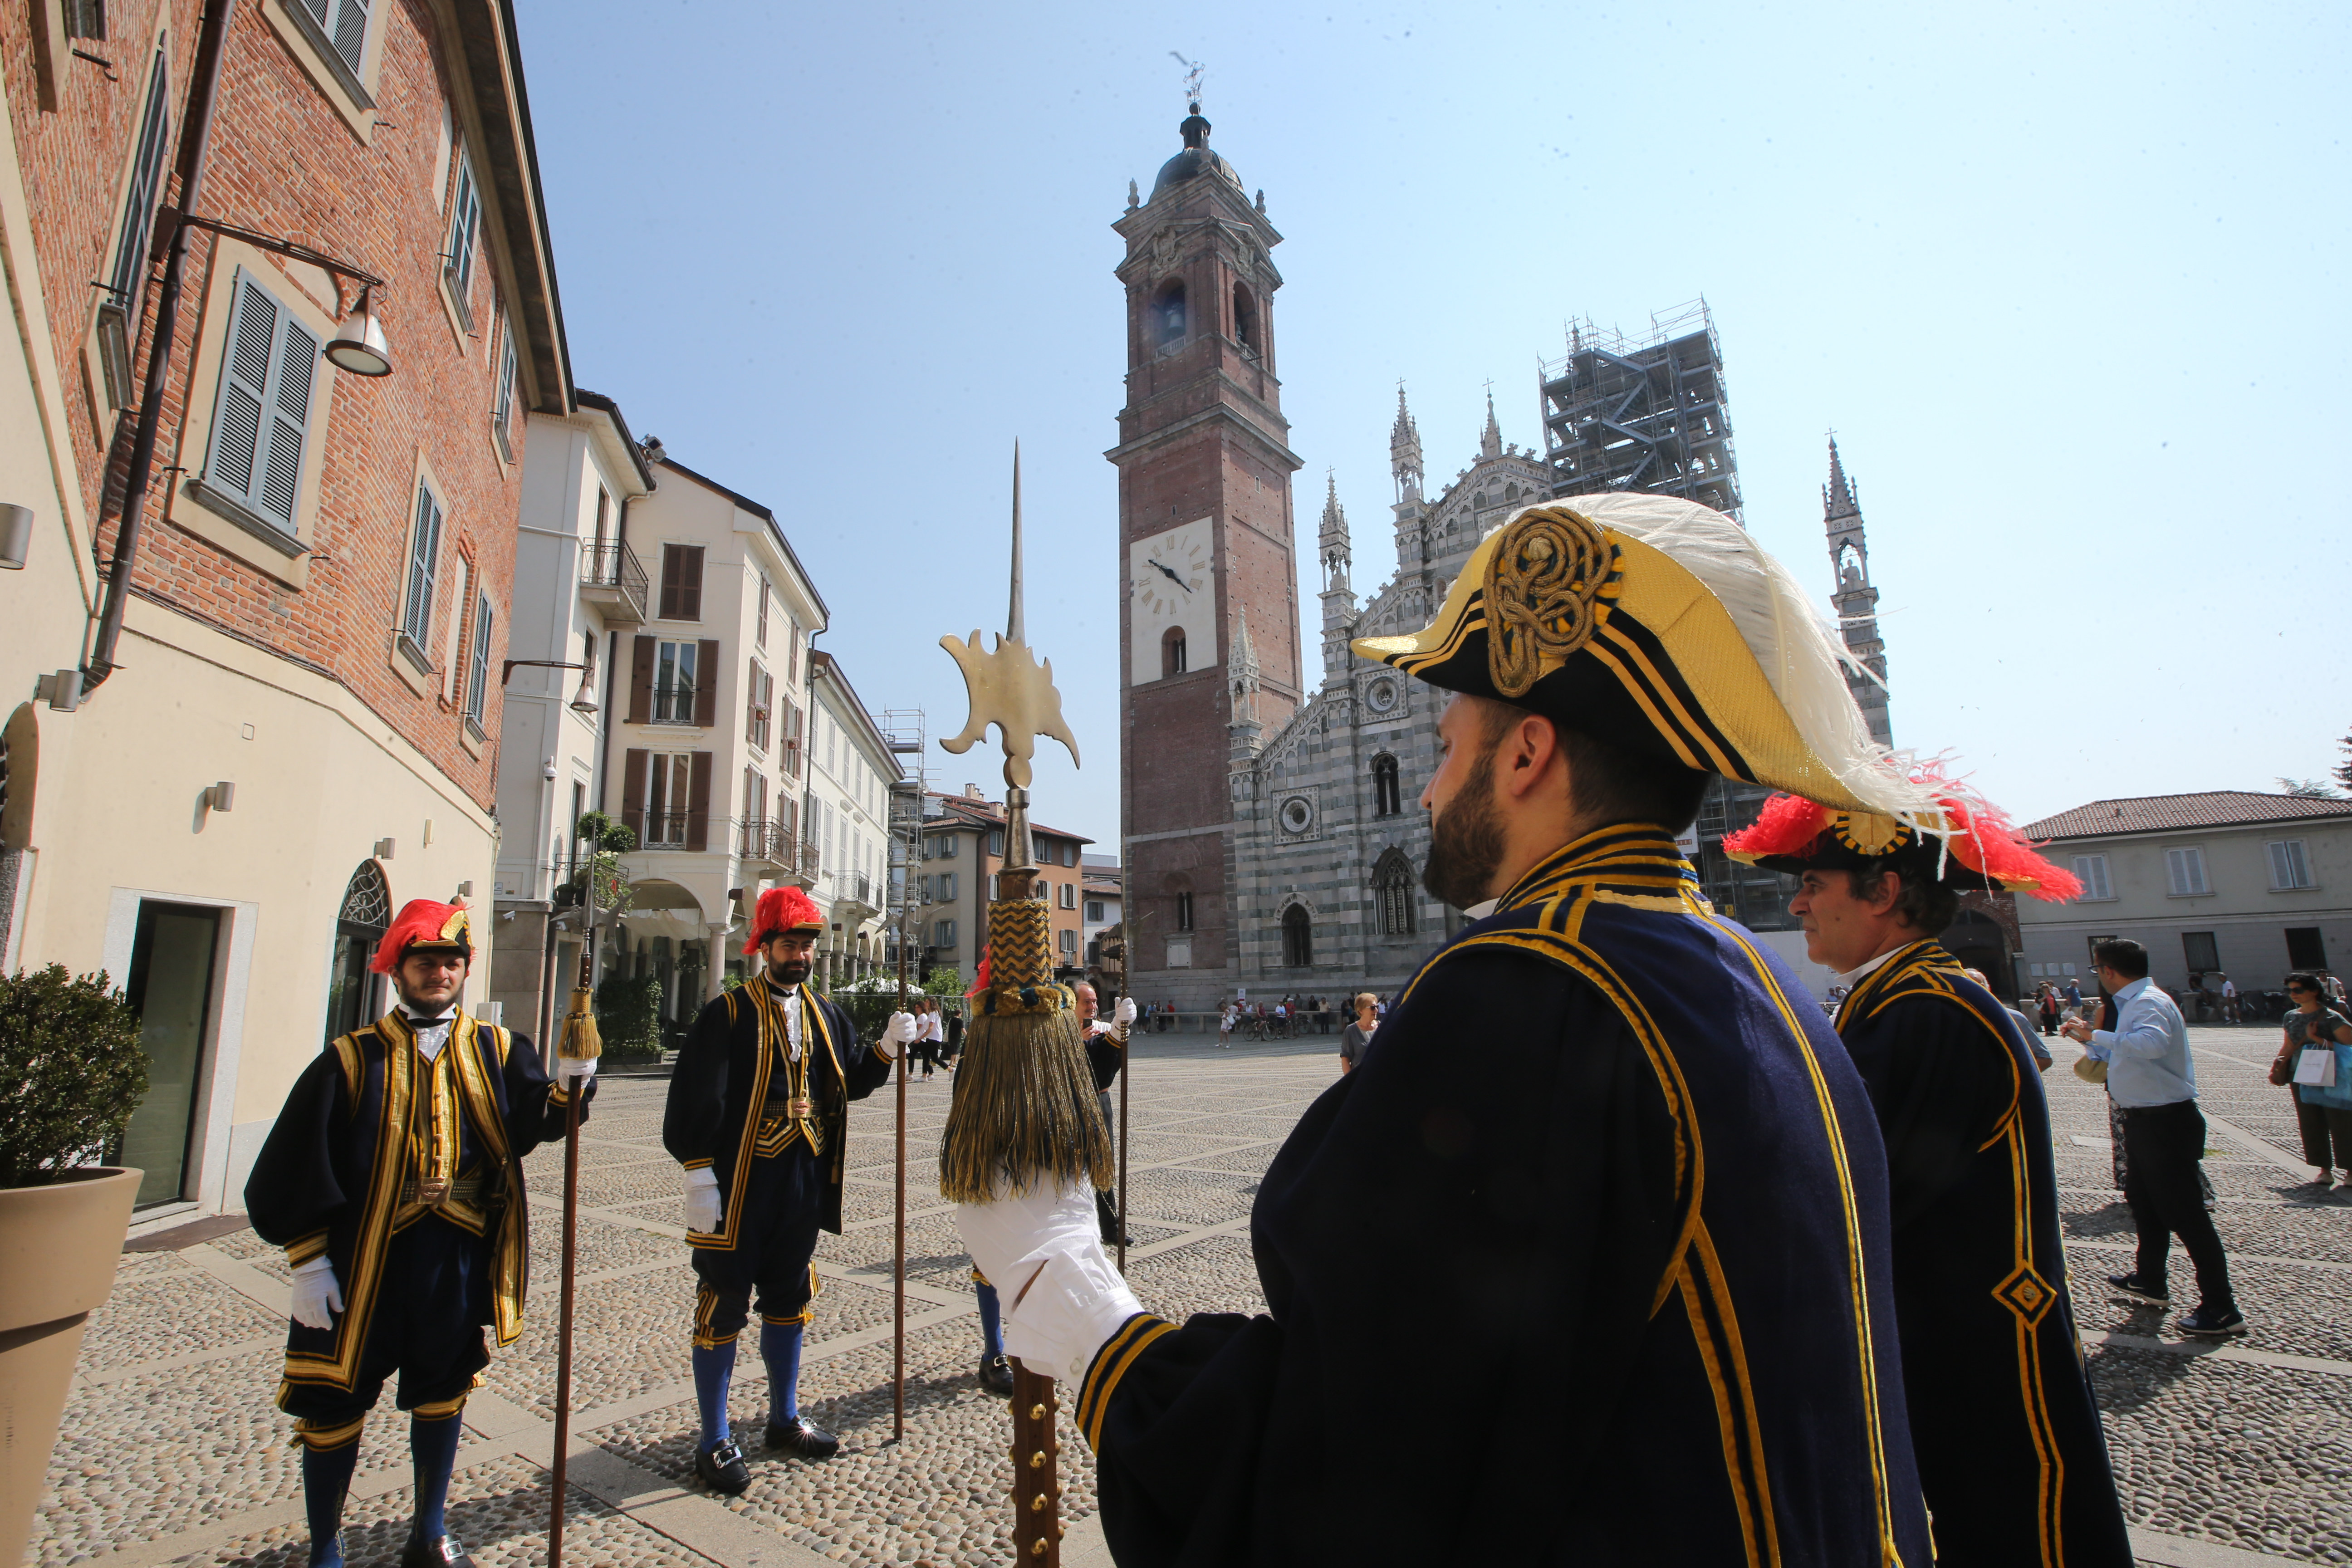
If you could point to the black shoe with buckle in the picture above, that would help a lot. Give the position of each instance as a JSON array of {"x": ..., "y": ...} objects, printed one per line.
[
  {"x": 2129, "y": 1286},
  {"x": 996, "y": 1375},
  {"x": 2212, "y": 1322},
  {"x": 802, "y": 1437},
  {"x": 722, "y": 1468},
  {"x": 437, "y": 1551}
]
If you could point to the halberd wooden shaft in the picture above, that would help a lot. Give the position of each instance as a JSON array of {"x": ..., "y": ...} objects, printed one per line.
[
  {"x": 563, "y": 1321},
  {"x": 1037, "y": 1471},
  {"x": 1126, "y": 1072}
]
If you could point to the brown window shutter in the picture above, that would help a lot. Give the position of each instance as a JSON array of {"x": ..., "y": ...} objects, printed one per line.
[
  {"x": 667, "y": 609},
  {"x": 705, "y": 694},
  {"x": 698, "y": 802},
  {"x": 632, "y": 789},
  {"x": 689, "y": 582},
  {"x": 641, "y": 682}
]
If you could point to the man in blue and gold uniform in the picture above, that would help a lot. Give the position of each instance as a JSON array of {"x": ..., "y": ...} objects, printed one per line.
[
  {"x": 1610, "y": 1162},
  {"x": 758, "y": 1115},
  {"x": 393, "y": 1180},
  {"x": 2011, "y": 1451}
]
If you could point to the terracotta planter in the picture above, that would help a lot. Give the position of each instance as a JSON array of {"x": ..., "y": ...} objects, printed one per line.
[{"x": 59, "y": 1246}]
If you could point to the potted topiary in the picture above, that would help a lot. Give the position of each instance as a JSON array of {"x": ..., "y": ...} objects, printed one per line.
[{"x": 71, "y": 1072}]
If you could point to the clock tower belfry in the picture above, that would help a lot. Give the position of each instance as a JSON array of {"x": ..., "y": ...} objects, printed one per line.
[{"x": 1205, "y": 547}]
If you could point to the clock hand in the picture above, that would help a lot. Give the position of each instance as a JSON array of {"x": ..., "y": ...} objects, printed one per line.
[{"x": 1171, "y": 576}]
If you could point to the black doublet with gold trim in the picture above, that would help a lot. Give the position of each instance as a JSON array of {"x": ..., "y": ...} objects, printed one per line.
[
  {"x": 1631, "y": 1188},
  {"x": 368, "y": 1131},
  {"x": 735, "y": 1066},
  {"x": 2011, "y": 1451}
]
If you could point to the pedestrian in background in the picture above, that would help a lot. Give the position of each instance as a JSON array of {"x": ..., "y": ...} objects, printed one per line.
[
  {"x": 2229, "y": 1000},
  {"x": 1357, "y": 1037},
  {"x": 2326, "y": 1129},
  {"x": 955, "y": 1036},
  {"x": 2042, "y": 1057},
  {"x": 2048, "y": 1008},
  {"x": 2152, "y": 1080},
  {"x": 1225, "y": 1028},
  {"x": 934, "y": 1042}
]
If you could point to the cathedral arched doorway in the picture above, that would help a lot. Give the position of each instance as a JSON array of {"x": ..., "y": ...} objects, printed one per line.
[{"x": 354, "y": 996}]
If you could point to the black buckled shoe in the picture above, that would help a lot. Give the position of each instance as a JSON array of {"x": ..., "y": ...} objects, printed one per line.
[
  {"x": 996, "y": 1375},
  {"x": 440, "y": 1551},
  {"x": 722, "y": 1467},
  {"x": 2129, "y": 1286},
  {"x": 802, "y": 1437}
]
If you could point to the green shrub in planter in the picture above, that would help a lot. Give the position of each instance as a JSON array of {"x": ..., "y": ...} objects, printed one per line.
[
  {"x": 628, "y": 1017},
  {"x": 71, "y": 1072}
]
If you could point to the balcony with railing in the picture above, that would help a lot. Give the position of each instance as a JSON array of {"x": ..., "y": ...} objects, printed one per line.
[
  {"x": 612, "y": 579},
  {"x": 809, "y": 864},
  {"x": 857, "y": 888},
  {"x": 666, "y": 830},
  {"x": 759, "y": 838}
]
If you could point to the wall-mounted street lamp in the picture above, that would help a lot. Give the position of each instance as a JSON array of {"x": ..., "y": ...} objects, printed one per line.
[
  {"x": 15, "y": 535},
  {"x": 583, "y": 702}
]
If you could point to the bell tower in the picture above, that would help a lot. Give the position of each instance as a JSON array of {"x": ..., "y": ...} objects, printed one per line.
[{"x": 1204, "y": 547}]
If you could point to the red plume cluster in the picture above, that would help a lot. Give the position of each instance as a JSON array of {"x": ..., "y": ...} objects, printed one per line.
[{"x": 782, "y": 909}]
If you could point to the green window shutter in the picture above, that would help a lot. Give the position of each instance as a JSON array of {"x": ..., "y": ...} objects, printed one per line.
[
  {"x": 245, "y": 379},
  {"x": 350, "y": 31},
  {"x": 424, "y": 549}
]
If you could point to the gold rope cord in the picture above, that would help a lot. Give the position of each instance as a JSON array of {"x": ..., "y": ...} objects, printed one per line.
[{"x": 1544, "y": 594}]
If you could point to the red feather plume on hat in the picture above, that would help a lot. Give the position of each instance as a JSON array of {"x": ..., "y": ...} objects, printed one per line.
[
  {"x": 782, "y": 909},
  {"x": 1977, "y": 834},
  {"x": 422, "y": 923}
]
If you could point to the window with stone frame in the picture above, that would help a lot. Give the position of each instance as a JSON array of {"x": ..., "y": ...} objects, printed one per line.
[
  {"x": 1298, "y": 938},
  {"x": 1392, "y": 888},
  {"x": 1388, "y": 794}
]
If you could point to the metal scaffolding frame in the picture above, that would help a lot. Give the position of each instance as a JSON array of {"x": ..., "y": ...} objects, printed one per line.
[{"x": 1645, "y": 412}]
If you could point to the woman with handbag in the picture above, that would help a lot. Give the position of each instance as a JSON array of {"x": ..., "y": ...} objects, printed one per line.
[{"x": 2315, "y": 1065}]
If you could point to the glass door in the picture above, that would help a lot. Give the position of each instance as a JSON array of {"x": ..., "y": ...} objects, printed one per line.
[{"x": 170, "y": 989}]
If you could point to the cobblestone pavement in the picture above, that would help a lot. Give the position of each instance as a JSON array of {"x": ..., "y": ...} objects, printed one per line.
[{"x": 172, "y": 1452}]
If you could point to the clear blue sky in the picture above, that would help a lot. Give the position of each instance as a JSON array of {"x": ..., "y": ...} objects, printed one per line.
[{"x": 2067, "y": 281}]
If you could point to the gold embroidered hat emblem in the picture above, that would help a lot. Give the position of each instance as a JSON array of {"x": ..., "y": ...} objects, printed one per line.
[
  {"x": 1867, "y": 833},
  {"x": 1546, "y": 595}
]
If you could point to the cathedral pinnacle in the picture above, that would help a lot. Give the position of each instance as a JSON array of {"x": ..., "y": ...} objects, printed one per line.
[
  {"x": 1331, "y": 541},
  {"x": 1404, "y": 451},
  {"x": 1838, "y": 497},
  {"x": 1244, "y": 665},
  {"x": 1490, "y": 440}
]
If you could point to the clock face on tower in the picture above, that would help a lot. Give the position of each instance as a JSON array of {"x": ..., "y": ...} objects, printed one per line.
[{"x": 1170, "y": 587}]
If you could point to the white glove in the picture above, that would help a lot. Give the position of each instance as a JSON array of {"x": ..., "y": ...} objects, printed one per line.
[
  {"x": 1075, "y": 1301},
  {"x": 899, "y": 1031},
  {"x": 702, "y": 1206},
  {"x": 568, "y": 1068},
  {"x": 317, "y": 1297},
  {"x": 1124, "y": 1013}
]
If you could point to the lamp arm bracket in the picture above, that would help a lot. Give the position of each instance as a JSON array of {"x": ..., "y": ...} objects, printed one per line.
[{"x": 338, "y": 269}]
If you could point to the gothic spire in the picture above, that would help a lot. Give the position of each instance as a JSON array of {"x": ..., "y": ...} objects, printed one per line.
[
  {"x": 1838, "y": 497},
  {"x": 1490, "y": 440},
  {"x": 1404, "y": 451},
  {"x": 1331, "y": 541},
  {"x": 1244, "y": 671}
]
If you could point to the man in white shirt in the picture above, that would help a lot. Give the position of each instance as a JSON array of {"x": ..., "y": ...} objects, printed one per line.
[
  {"x": 2154, "y": 1084},
  {"x": 2229, "y": 1000}
]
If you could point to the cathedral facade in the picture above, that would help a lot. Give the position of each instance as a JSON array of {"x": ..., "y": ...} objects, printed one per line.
[{"x": 1271, "y": 829}]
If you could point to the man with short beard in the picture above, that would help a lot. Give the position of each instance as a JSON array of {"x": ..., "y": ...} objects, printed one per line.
[
  {"x": 1599, "y": 1235},
  {"x": 758, "y": 1115},
  {"x": 393, "y": 1181}
]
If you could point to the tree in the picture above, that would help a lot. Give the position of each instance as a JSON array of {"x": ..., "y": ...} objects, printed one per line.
[
  {"x": 2344, "y": 771},
  {"x": 2309, "y": 789}
]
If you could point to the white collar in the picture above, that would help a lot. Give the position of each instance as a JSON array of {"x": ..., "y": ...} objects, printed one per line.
[
  {"x": 1853, "y": 976},
  {"x": 419, "y": 1021},
  {"x": 1480, "y": 912}
]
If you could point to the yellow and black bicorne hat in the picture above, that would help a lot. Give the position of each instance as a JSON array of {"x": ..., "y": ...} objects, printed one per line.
[{"x": 1658, "y": 624}]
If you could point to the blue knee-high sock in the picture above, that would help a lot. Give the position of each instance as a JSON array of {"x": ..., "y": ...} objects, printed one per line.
[
  {"x": 432, "y": 1452},
  {"x": 326, "y": 1477},
  {"x": 991, "y": 1320},
  {"x": 779, "y": 1346},
  {"x": 714, "y": 1369}
]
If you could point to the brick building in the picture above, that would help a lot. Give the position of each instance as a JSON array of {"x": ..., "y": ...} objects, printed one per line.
[
  {"x": 962, "y": 850},
  {"x": 294, "y": 732}
]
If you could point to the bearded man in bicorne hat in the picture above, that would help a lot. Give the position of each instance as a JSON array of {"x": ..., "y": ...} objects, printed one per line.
[
  {"x": 1610, "y": 1163},
  {"x": 393, "y": 1180},
  {"x": 758, "y": 1115},
  {"x": 2011, "y": 1451}
]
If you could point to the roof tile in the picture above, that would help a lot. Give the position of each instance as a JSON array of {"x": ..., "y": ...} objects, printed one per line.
[{"x": 2182, "y": 813}]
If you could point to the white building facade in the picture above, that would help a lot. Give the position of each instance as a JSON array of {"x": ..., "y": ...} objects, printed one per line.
[
  {"x": 848, "y": 813},
  {"x": 2226, "y": 882}
]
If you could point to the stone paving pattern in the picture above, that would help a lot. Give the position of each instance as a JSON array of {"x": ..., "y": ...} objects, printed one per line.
[{"x": 171, "y": 1429}]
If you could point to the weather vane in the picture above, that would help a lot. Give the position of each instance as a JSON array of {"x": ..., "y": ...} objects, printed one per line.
[
  {"x": 1194, "y": 75},
  {"x": 1007, "y": 687}
]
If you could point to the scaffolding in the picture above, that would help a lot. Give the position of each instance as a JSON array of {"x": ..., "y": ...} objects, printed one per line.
[
  {"x": 1646, "y": 414},
  {"x": 904, "y": 730}
]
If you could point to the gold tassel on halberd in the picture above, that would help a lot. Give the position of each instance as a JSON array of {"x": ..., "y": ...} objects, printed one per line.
[
  {"x": 1024, "y": 1108},
  {"x": 580, "y": 1041}
]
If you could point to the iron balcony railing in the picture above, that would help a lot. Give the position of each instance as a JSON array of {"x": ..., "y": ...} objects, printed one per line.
[
  {"x": 612, "y": 579},
  {"x": 809, "y": 865},
  {"x": 761, "y": 839},
  {"x": 666, "y": 829}
]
